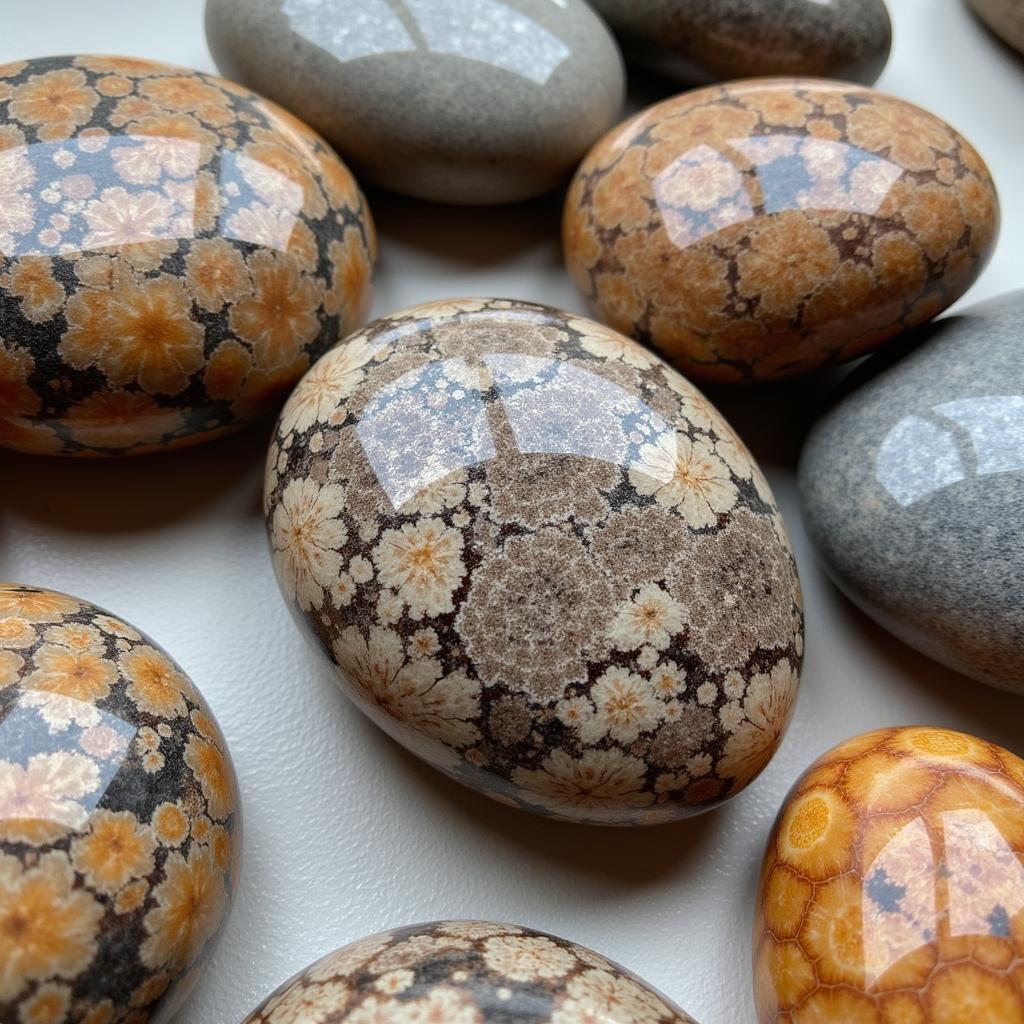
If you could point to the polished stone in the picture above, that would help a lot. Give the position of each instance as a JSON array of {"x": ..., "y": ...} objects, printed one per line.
[
  {"x": 912, "y": 489},
  {"x": 466, "y": 972},
  {"x": 698, "y": 42},
  {"x": 539, "y": 559},
  {"x": 761, "y": 229},
  {"x": 1005, "y": 18},
  {"x": 174, "y": 252},
  {"x": 483, "y": 102},
  {"x": 120, "y": 826},
  {"x": 892, "y": 890}
]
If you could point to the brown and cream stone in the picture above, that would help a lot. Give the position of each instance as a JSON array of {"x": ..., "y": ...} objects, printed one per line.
[
  {"x": 763, "y": 228},
  {"x": 539, "y": 559},
  {"x": 174, "y": 253},
  {"x": 120, "y": 827},
  {"x": 466, "y": 972}
]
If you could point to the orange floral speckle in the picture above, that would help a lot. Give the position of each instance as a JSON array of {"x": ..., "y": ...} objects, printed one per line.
[
  {"x": 892, "y": 216},
  {"x": 175, "y": 228}
]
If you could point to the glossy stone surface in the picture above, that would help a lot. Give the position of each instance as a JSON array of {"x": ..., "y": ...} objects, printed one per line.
[
  {"x": 539, "y": 559},
  {"x": 174, "y": 252},
  {"x": 466, "y": 972},
  {"x": 761, "y": 229},
  {"x": 698, "y": 42},
  {"x": 1004, "y": 17},
  {"x": 119, "y": 819},
  {"x": 483, "y": 102},
  {"x": 892, "y": 890},
  {"x": 912, "y": 487}
]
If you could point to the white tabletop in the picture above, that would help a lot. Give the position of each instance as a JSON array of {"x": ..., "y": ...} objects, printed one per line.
[{"x": 346, "y": 834}]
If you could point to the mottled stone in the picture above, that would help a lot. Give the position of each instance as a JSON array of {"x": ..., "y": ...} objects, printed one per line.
[
  {"x": 892, "y": 890},
  {"x": 484, "y": 102},
  {"x": 762, "y": 229},
  {"x": 695, "y": 41},
  {"x": 1004, "y": 17},
  {"x": 912, "y": 488},
  {"x": 466, "y": 972},
  {"x": 539, "y": 559},
  {"x": 120, "y": 826},
  {"x": 174, "y": 253}
]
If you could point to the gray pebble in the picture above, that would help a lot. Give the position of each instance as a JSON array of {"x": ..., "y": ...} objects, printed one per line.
[
  {"x": 703, "y": 41},
  {"x": 459, "y": 101},
  {"x": 913, "y": 488},
  {"x": 1004, "y": 17}
]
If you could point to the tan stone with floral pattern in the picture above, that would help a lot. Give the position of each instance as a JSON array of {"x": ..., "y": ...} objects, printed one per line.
[
  {"x": 465, "y": 972},
  {"x": 763, "y": 228}
]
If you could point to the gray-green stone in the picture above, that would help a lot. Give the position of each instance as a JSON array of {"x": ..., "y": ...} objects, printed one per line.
[
  {"x": 483, "y": 102},
  {"x": 912, "y": 489}
]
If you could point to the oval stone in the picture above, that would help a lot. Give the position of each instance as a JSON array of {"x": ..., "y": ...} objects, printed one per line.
[
  {"x": 893, "y": 886},
  {"x": 762, "y": 229},
  {"x": 1005, "y": 18},
  {"x": 539, "y": 559},
  {"x": 466, "y": 971},
  {"x": 174, "y": 253},
  {"x": 487, "y": 102},
  {"x": 120, "y": 827},
  {"x": 912, "y": 487},
  {"x": 695, "y": 41}
]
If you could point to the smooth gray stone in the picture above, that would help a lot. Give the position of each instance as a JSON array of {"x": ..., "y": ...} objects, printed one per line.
[
  {"x": 1004, "y": 17},
  {"x": 460, "y": 101},
  {"x": 912, "y": 489},
  {"x": 702, "y": 41}
]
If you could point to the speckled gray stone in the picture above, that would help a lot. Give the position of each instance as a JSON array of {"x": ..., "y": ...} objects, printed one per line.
[
  {"x": 704, "y": 41},
  {"x": 913, "y": 489},
  {"x": 485, "y": 102},
  {"x": 1004, "y": 17}
]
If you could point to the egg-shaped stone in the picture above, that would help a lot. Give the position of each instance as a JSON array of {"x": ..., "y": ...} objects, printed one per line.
[
  {"x": 695, "y": 41},
  {"x": 539, "y": 559},
  {"x": 466, "y": 972},
  {"x": 483, "y": 102},
  {"x": 761, "y": 229},
  {"x": 1004, "y": 17},
  {"x": 912, "y": 487},
  {"x": 120, "y": 826},
  {"x": 892, "y": 889},
  {"x": 174, "y": 253}
]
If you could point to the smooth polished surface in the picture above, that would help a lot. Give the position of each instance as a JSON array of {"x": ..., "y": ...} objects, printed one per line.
[
  {"x": 119, "y": 819},
  {"x": 466, "y": 972},
  {"x": 1005, "y": 18},
  {"x": 341, "y": 827},
  {"x": 912, "y": 488},
  {"x": 892, "y": 890},
  {"x": 697, "y": 42},
  {"x": 486, "y": 101},
  {"x": 540, "y": 560},
  {"x": 174, "y": 251},
  {"x": 764, "y": 228}
]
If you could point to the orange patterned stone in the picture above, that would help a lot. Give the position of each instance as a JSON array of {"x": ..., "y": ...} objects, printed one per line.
[
  {"x": 763, "y": 228},
  {"x": 893, "y": 892},
  {"x": 120, "y": 824},
  {"x": 174, "y": 253}
]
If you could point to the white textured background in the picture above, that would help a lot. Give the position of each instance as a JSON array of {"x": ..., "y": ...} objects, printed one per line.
[{"x": 345, "y": 834}]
